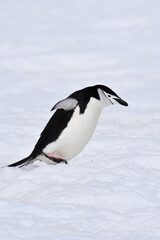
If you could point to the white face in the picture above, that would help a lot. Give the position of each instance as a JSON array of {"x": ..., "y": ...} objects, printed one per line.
[{"x": 106, "y": 98}]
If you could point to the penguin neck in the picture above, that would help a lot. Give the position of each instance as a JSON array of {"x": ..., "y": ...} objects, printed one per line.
[{"x": 93, "y": 109}]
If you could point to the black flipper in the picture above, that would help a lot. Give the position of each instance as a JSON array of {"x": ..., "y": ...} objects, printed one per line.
[{"x": 22, "y": 163}]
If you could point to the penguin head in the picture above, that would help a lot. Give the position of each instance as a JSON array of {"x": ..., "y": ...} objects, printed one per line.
[{"x": 108, "y": 97}]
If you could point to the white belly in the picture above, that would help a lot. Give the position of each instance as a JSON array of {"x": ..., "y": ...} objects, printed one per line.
[{"x": 78, "y": 132}]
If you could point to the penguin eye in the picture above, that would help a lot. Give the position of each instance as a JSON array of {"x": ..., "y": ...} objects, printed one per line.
[{"x": 107, "y": 95}]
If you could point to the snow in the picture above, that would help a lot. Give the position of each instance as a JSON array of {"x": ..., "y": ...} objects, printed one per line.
[{"x": 48, "y": 49}]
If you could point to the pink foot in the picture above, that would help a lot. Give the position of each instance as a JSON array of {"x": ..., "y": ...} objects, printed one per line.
[
  {"x": 53, "y": 155},
  {"x": 55, "y": 158}
]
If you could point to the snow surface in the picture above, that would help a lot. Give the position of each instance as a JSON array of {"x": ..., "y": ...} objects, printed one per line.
[{"x": 48, "y": 49}]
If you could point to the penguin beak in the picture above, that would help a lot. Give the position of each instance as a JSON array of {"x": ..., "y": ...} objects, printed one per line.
[{"x": 121, "y": 101}]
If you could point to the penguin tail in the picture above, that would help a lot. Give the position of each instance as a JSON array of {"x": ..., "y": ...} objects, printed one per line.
[{"x": 22, "y": 163}]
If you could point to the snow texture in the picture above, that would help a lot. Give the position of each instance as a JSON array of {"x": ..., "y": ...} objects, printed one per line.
[{"x": 48, "y": 49}]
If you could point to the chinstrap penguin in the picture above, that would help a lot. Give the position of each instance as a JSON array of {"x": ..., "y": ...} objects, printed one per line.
[{"x": 71, "y": 126}]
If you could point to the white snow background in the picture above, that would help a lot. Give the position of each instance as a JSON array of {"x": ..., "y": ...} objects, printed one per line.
[{"x": 48, "y": 49}]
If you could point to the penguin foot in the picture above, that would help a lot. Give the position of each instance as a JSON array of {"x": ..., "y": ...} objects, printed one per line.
[{"x": 55, "y": 158}]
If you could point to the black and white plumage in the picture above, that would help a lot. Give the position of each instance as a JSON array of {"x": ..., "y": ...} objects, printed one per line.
[{"x": 71, "y": 126}]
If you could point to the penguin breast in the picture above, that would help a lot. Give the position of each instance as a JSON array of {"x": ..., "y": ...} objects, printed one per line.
[{"x": 78, "y": 132}]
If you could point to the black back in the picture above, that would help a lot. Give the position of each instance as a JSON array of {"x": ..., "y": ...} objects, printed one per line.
[{"x": 53, "y": 129}]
